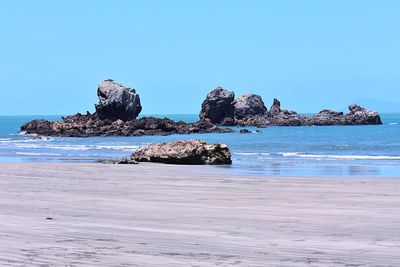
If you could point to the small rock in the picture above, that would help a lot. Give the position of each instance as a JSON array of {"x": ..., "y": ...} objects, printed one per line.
[{"x": 244, "y": 131}]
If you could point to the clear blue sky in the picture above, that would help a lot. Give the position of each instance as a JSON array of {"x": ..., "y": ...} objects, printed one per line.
[{"x": 309, "y": 54}]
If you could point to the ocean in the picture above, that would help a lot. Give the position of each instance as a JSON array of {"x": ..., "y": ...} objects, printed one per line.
[{"x": 280, "y": 151}]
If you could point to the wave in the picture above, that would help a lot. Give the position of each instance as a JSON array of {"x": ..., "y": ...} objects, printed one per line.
[
  {"x": 252, "y": 153},
  {"x": 289, "y": 154},
  {"x": 36, "y": 154},
  {"x": 318, "y": 156},
  {"x": 76, "y": 147},
  {"x": 12, "y": 141},
  {"x": 393, "y": 123}
]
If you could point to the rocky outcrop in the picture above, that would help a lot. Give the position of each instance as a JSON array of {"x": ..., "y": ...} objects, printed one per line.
[
  {"x": 218, "y": 106},
  {"x": 249, "y": 110},
  {"x": 91, "y": 125},
  {"x": 117, "y": 102},
  {"x": 184, "y": 152},
  {"x": 248, "y": 105},
  {"x": 119, "y": 106}
]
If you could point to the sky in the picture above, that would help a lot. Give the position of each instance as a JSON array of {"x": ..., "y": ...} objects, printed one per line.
[{"x": 310, "y": 55}]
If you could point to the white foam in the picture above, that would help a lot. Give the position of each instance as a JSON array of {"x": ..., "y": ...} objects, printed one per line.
[
  {"x": 123, "y": 148},
  {"x": 16, "y": 141},
  {"x": 252, "y": 153},
  {"x": 36, "y": 154},
  {"x": 76, "y": 147},
  {"x": 289, "y": 154},
  {"x": 316, "y": 156}
]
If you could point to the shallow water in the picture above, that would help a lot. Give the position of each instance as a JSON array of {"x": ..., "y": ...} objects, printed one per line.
[{"x": 316, "y": 150}]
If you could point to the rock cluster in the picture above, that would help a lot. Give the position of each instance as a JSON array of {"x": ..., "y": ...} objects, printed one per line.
[
  {"x": 249, "y": 110},
  {"x": 192, "y": 152},
  {"x": 119, "y": 107}
]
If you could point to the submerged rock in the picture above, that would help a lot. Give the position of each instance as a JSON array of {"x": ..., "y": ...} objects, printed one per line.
[
  {"x": 184, "y": 152},
  {"x": 117, "y": 101},
  {"x": 218, "y": 105},
  {"x": 245, "y": 131}
]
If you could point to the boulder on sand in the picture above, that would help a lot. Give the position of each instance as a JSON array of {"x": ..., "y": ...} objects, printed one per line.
[
  {"x": 191, "y": 152},
  {"x": 218, "y": 105},
  {"x": 117, "y": 102}
]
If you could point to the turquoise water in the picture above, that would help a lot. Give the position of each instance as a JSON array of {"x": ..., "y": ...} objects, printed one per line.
[{"x": 326, "y": 151}]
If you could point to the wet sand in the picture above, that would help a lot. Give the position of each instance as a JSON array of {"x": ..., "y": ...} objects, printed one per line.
[{"x": 165, "y": 215}]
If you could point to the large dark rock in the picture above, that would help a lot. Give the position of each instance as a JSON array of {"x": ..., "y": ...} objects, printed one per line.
[
  {"x": 248, "y": 105},
  {"x": 359, "y": 115},
  {"x": 218, "y": 105},
  {"x": 184, "y": 152},
  {"x": 91, "y": 125},
  {"x": 117, "y": 102}
]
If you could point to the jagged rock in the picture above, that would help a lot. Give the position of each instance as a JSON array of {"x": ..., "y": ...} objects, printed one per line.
[
  {"x": 91, "y": 125},
  {"x": 218, "y": 105},
  {"x": 244, "y": 131},
  {"x": 248, "y": 105},
  {"x": 117, "y": 101},
  {"x": 184, "y": 152},
  {"x": 275, "y": 108}
]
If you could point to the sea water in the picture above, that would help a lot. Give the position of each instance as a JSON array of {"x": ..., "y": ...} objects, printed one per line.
[{"x": 372, "y": 150}]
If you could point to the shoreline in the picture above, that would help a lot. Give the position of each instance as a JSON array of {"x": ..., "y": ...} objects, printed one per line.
[{"x": 169, "y": 215}]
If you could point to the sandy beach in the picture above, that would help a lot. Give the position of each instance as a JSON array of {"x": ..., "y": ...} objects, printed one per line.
[{"x": 166, "y": 215}]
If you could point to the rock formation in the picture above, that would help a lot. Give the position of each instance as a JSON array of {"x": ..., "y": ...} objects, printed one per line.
[
  {"x": 218, "y": 106},
  {"x": 119, "y": 107},
  {"x": 249, "y": 110},
  {"x": 184, "y": 152},
  {"x": 117, "y": 102}
]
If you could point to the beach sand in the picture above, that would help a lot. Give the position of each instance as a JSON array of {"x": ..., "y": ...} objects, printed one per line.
[{"x": 166, "y": 215}]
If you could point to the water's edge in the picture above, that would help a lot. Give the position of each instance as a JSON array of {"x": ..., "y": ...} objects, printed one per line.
[{"x": 311, "y": 151}]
